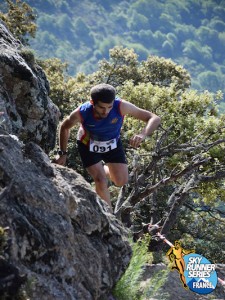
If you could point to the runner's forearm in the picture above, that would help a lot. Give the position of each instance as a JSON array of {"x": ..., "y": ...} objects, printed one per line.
[
  {"x": 63, "y": 137},
  {"x": 151, "y": 126}
]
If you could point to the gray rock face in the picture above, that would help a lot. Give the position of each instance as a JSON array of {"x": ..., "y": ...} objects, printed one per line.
[
  {"x": 62, "y": 236},
  {"x": 25, "y": 106}
]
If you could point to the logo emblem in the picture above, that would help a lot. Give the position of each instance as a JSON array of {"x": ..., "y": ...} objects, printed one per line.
[
  {"x": 114, "y": 121},
  {"x": 196, "y": 272},
  {"x": 200, "y": 274}
]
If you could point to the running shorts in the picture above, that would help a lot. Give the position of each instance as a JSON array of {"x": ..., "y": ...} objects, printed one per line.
[{"x": 91, "y": 158}]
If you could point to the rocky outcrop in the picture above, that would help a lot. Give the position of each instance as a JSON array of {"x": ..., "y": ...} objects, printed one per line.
[
  {"x": 61, "y": 238},
  {"x": 61, "y": 235},
  {"x": 25, "y": 106}
]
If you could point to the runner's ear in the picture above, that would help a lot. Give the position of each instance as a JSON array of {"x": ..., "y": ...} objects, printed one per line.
[{"x": 92, "y": 102}]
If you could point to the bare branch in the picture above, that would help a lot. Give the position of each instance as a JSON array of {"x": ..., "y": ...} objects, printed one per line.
[
  {"x": 151, "y": 188},
  {"x": 220, "y": 174},
  {"x": 175, "y": 202},
  {"x": 120, "y": 201}
]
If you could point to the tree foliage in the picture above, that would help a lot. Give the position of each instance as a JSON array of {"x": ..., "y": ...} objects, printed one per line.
[
  {"x": 57, "y": 76},
  {"x": 188, "y": 32},
  {"x": 20, "y": 19}
]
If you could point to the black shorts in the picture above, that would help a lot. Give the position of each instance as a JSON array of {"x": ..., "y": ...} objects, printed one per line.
[{"x": 91, "y": 158}]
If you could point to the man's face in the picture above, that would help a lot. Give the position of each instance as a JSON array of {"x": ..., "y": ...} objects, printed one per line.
[{"x": 101, "y": 109}]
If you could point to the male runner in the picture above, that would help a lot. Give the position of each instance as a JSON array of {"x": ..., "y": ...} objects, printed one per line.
[{"x": 98, "y": 137}]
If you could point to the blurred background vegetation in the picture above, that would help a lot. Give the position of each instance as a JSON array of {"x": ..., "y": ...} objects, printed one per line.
[{"x": 80, "y": 33}]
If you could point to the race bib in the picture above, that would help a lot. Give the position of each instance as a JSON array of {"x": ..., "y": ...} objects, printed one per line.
[{"x": 102, "y": 146}]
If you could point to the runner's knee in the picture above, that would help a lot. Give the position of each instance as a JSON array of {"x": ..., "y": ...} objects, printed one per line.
[
  {"x": 100, "y": 180},
  {"x": 120, "y": 181}
]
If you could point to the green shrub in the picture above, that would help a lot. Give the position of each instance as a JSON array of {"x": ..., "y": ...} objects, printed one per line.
[{"x": 128, "y": 287}]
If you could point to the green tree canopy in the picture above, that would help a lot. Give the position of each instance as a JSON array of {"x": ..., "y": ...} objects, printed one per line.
[{"x": 20, "y": 19}]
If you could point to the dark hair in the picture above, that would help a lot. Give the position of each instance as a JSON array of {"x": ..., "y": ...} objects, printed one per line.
[{"x": 103, "y": 92}]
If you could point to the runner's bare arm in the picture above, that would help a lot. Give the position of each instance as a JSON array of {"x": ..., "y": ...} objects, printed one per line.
[
  {"x": 64, "y": 133},
  {"x": 65, "y": 127},
  {"x": 151, "y": 119}
]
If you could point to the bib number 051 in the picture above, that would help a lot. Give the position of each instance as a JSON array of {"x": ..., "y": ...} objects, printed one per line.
[{"x": 102, "y": 146}]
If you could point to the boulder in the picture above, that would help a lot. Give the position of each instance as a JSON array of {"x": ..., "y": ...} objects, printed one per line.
[
  {"x": 61, "y": 235},
  {"x": 25, "y": 107}
]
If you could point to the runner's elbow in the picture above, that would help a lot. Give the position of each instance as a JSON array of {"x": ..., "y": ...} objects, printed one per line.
[
  {"x": 157, "y": 120},
  {"x": 65, "y": 126}
]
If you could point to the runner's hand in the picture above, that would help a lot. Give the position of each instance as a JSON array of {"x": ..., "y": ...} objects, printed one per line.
[{"x": 136, "y": 140}]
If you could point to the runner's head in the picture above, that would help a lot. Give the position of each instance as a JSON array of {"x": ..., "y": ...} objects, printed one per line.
[{"x": 103, "y": 92}]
